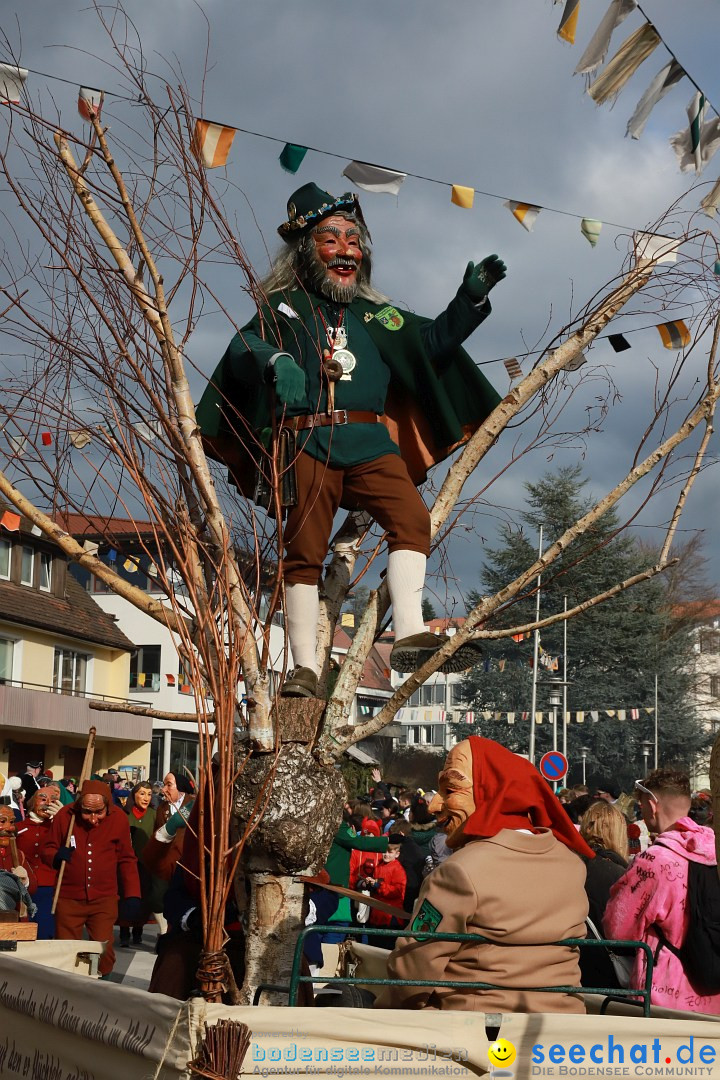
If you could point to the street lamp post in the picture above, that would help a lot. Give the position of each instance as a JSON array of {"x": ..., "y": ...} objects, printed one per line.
[
  {"x": 646, "y": 748},
  {"x": 584, "y": 751}
]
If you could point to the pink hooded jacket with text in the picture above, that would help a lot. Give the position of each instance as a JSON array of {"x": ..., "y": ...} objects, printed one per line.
[{"x": 654, "y": 890}]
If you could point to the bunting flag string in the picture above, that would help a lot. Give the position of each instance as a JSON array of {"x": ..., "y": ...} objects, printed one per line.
[
  {"x": 577, "y": 716},
  {"x": 211, "y": 143},
  {"x": 693, "y": 147}
]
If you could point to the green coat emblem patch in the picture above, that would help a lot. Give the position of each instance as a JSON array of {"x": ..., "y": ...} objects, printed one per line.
[
  {"x": 428, "y": 918},
  {"x": 390, "y": 318}
]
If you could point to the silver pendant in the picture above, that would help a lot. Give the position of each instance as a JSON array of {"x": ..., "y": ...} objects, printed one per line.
[
  {"x": 347, "y": 362},
  {"x": 337, "y": 338}
]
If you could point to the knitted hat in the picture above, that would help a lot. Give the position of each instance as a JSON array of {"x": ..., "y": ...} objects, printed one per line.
[
  {"x": 310, "y": 204},
  {"x": 95, "y": 787}
]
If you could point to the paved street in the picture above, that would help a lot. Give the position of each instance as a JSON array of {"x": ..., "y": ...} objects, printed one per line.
[{"x": 134, "y": 965}]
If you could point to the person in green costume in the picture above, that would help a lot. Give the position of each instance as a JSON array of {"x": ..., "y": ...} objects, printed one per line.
[{"x": 375, "y": 396}]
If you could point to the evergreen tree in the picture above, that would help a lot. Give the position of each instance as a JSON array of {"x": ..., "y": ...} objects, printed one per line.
[
  {"x": 615, "y": 649},
  {"x": 428, "y": 611}
]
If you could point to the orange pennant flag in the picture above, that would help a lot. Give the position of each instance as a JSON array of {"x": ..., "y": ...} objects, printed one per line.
[
  {"x": 10, "y": 521},
  {"x": 211, "y": 143}
]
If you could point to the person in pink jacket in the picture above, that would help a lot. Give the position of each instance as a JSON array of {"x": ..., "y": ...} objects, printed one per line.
[{"x": 653, "y": 893}]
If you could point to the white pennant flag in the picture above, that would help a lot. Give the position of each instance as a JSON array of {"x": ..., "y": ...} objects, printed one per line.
[
  {"x": 696, "y": 144},
  {"x": 525, "y": 213},
  {"x": 711, "y": 202},
  {"x": 11, "y": 81},
  {"x": 665, "y": 79},
  {"x": 373, "y": 178},
  {"x": 596, "y": 51},
  {"x": 661, "y": 249}
]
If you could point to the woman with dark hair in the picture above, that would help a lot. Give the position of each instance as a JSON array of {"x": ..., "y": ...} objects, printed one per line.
[{"x": 142, "y": 826}]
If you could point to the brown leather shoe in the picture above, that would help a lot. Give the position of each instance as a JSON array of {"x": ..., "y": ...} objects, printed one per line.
[
  {"x": 412, "y": 652},
  {"x": 302, "y": 682}
]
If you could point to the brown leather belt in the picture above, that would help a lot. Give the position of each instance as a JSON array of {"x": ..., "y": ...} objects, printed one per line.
[{"x": 336, "y": 419}]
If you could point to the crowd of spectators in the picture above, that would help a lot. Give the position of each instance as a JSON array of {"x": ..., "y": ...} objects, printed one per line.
[{"x": 113, "y": 846}]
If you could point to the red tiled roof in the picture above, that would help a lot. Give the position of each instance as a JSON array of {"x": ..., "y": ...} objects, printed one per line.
[
  {"x": 441, "y": 626},
  {"x": 74, "y": 615},
  {"x": 341, "y": 640},
  {"x": 698, "y": 610},
  {"x": 94, "y": 525}
]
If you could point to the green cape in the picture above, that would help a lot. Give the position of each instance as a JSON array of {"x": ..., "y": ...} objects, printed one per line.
[{"x": 432, "y": 408}]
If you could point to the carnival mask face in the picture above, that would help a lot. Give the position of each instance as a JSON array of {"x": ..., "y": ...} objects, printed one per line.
[
  {"x": 455, "y": 801},
  {"x": 7, "y": 825},
  {"x": 93, "y": 810},
  {"x": 331, "y": 259},
  {"x": 142, "y": 797},
  {"x": 41, "y": 800}
]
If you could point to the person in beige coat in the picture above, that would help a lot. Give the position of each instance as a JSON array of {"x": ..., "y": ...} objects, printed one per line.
[{"x": 515, "y": 877}]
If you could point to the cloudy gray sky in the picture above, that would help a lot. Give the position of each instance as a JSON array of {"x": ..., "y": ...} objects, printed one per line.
[{"x": 472, "y": 92}]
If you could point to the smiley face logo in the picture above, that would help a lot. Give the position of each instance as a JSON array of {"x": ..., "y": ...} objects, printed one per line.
[{"x": 501, "y": 1053}]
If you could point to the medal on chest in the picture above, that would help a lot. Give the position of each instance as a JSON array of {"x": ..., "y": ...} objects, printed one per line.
[{"x": 337, "y": 339}]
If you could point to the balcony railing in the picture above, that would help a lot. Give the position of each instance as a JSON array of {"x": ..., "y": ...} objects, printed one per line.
[{"x": 88, "y": 694}]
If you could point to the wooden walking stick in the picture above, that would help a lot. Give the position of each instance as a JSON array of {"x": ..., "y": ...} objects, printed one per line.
[{"x": 84, "y": 775}]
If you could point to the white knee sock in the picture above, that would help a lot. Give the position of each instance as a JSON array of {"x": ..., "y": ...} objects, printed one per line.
[
  {"x": 406, "y": 579},
  {"x": 302, "y": 612}
]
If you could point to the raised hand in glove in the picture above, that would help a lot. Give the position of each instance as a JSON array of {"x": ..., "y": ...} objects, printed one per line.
[
  {"x": 480, "y": 278},
  {"x": 53, "y": 807},
  {"x": 289, "y": 381},
  {"x": 21, "y": 874},
  {"x": 130, "y": 909},
  {"x": 63, "y": 854}
]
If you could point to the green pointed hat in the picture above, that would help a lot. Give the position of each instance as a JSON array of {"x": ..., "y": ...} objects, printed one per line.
[{"x": 310, "y": 204}]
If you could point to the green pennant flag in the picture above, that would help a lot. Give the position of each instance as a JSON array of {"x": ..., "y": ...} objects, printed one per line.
[{"x": 292, "y": 156}]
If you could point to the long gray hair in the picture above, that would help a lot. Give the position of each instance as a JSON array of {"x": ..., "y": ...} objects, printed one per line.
[{"x": 289, "y": 268}]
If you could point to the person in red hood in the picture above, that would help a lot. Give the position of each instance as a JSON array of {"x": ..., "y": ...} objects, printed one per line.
[
  {"x": 514, "y": 876},
  {"x": 650, "y": 901}
]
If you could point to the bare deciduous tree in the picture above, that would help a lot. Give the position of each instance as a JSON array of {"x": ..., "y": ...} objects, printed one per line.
[{"x": 104, "y": 297}]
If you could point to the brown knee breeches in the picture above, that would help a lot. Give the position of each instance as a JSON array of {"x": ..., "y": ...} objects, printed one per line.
[{"x": 382, "y": 487}]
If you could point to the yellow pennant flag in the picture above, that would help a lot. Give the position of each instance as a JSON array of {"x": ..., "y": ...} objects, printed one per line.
[
  {"x": 347, "y": 619},
  {"x": 211, "y": 143},
  {"x": 462, "y": 196},
  {"x": 675, "y": 335},
  {"x": 568, "y": 23},
  {"x": 130, "y": 566}
]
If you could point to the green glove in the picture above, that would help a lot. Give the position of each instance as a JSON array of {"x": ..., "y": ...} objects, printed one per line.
[
  {"x": 480, "y": 278},
  {"x": 289, "y": 381}
]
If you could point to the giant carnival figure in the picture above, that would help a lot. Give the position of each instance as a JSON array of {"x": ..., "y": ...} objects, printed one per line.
[{"x": 362, "y": 398}]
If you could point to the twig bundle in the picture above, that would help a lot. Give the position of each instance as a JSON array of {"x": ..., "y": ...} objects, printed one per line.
[{"x": 222, "y": 1051}]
